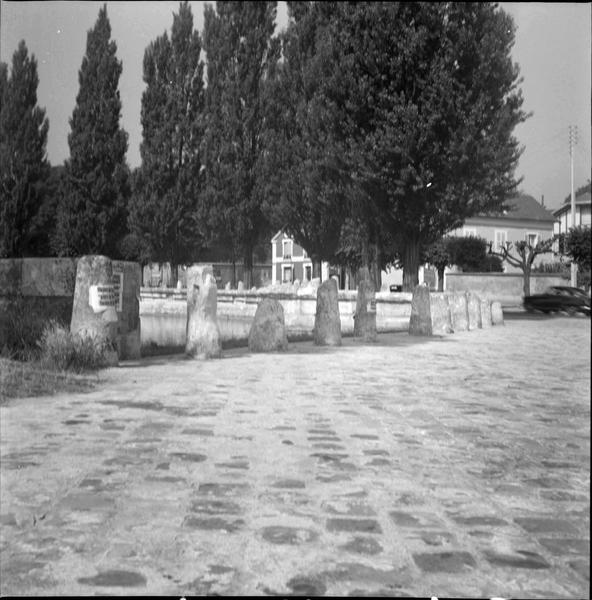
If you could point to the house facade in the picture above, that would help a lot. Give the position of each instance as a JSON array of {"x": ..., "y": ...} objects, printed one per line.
[
  {"x": 583, "y": 202},
  {"x": 289, "y": 261},
  {"x": 526, "y": 220}
]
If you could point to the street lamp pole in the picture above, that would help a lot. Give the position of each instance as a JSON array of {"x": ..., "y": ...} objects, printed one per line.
[{"x": 573, "y": 133}]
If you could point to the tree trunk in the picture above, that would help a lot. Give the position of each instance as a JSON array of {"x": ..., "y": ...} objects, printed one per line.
[
  {"x": 248, "y": 269},
  {"x": 316, "y": 267},
  {"x": 526, "y": 281},
  {"x": 374, "y": 266},
  {"x": 410, "y": 260},
  {"x": 441, "y": 279},
  {"x": 233, "y": 283}
]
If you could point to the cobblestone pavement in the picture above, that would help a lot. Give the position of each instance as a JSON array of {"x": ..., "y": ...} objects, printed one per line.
[{"x": 455, "y": 466}]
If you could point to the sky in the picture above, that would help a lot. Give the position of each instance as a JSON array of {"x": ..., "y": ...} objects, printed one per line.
[{"x": 553, "y": 49}]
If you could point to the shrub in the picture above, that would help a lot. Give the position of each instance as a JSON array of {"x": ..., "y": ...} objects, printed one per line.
[
  {"x": 60, "y": 350},
  {"x": 20, "y": 329}
]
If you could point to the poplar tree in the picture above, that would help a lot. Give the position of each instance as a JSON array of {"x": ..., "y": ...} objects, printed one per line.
[
  {"x": 23, "y": 163},
  {"x": 92, "y": 208},
  {"x": 241, "y": 55},
  {"x": 169, "y": 181}
]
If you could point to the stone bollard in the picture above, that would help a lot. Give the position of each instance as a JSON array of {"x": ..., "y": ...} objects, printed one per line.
[
  {"x": 94, "y": 308},
  {"x": 497, "y": 314},
  {"x": 420, "y": 321},
  {"x": 485, "y": 314},
  {"x": 202, "y": 332},
  {"x": 126, "y": 279},
  {"x": 458, "y": 311},
  {"x": 327, "y": 327},
  {"x": 474, "y": 311},
  {"x": 365, "y": 315},
  {"x": 240, "y": 286},
  {"x": 268, "y": 330}
]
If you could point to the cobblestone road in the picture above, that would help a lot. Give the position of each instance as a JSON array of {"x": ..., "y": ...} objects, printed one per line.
[{"x": 457, "y": 466}]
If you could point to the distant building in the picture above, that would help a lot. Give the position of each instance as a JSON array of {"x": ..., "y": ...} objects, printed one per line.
[
  {"x": 562, "y": 215},
  {"x": 526, "y": 220},
  {"x": 289, "y": 261}
]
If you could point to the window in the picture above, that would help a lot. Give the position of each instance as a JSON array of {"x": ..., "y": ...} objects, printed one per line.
[
  {"x": 501, "y": 237},
  {"x": 308, "y": 272},
  {"x": 532, "y": 239},
  {"x": 287, "y": 275},
  {"x": 287, "y": 248},
  {"x": 469, "y": 232}
]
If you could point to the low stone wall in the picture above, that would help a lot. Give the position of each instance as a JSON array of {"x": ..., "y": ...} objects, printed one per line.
[
  {"x": 441, "y": 313},
  {"x": 37, "y": 289},
  {"x": 43, "y": 288},
  {"x": 236, "y": 311},
  {"x": 505, "y": 288}
]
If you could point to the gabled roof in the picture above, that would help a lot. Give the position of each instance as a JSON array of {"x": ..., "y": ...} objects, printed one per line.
[
  {"x": 523, "y": 207},
  {"x": 583, "y": 198}
]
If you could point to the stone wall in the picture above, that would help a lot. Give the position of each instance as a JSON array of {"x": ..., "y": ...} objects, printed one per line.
[
  {"x": 502, "y": 287},
  {"x": 44, "y": 289},
  {"x": 163, "y": 314},
  {"x": 40, "y": 289}
]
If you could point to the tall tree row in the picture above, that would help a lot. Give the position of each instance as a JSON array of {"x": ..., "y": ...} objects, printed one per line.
[
  {"x": 302, "y": 195},
  {"x": 241, "y": 55},
  {"x": 23, "y": 163},
  {"x": 168, "y": 183},
  {"x": 92, "y": 209}
]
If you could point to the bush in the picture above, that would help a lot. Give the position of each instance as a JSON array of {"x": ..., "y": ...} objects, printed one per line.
[
  {"x": 20, "y": 329},
  {"x": 552, "y": 267},
  {"x": 60, "y": 350}
]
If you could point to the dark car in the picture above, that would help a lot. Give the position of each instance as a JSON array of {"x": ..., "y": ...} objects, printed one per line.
[{"x": 557, "y": 299}]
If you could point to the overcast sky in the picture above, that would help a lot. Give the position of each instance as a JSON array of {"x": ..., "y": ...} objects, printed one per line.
[{"x": 553, "y": 48}]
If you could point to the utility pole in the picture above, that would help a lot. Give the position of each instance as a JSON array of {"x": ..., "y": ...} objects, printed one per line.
[{"x": 573, "y": 140}]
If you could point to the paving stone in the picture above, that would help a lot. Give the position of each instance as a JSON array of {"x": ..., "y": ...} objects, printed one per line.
[
  {"x": 87, "y": 501},
  {"x": 210, "y": 506},
  {"x": 522, "y": 559},
  {"x": 165, "y": 479},
  {"x": 351, "y": 525},
  {"x": 278, "y": 534},
  {"x": 114, "y": 578},
  {"x": 217, "y": 523},
  {"x": 447, "y": 562},
  {"x": 546, "y": 525},
  {"x": 199, "y": 432},
  {"x": 303, "y": 585},
  {"x": 222, "y": 489},
  {"x": 566, "y": 546},
  {"x": 436, "y": 538},
  {"x": 581, "y": 567},
  {"x": 189, "y": 456},
  {"x": 362, "y": 545},
  {"x": 405, "y": 519},
  {"x": 289, "y": 484},
  {"x": 562, "y": 496},
  {"x": 478, "y": 520},
  {"x": 365, "y": 436},
  {"x": 233, "y": 465}
]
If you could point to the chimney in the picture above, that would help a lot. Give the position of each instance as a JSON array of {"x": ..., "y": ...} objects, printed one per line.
[{"x": 543, "y": 200}]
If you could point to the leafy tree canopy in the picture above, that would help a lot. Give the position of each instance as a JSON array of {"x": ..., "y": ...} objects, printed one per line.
[{"x": 23, "y": 163}]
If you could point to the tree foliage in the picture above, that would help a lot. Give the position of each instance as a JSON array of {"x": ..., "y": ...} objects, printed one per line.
[
  {"x": 241, "y": 57},
  {"x": 23, "y": 163},
  {"x": 304, "y": 198},
  {"x": 170, "y": 179},
  {"x": 426, "y": 98},
  {"x": 577, "y": 245},
  {"x": 93, "y": 201}
]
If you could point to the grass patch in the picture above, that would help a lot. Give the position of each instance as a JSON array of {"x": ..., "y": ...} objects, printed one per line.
[{"x": 23, "y": 379}]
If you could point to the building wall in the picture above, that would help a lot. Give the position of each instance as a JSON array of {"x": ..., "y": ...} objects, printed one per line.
[{"x": 509, "y": 230}]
